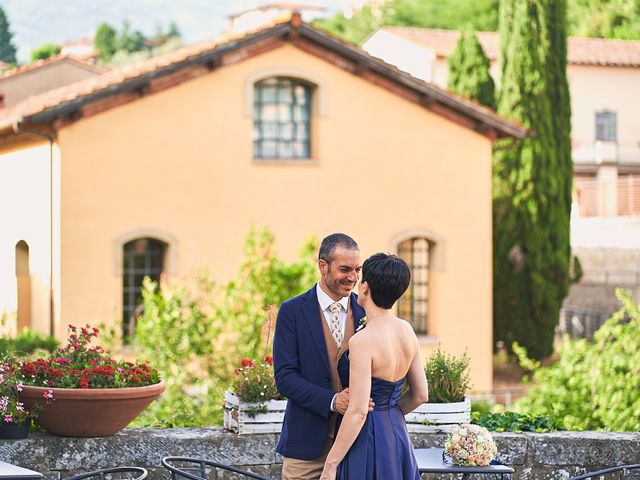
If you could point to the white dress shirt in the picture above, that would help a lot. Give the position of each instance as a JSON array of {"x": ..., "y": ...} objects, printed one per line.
[{"x": 326, "y": 301}]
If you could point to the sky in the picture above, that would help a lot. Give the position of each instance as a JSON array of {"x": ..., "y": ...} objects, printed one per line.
[{"x": 34, "y": 22}]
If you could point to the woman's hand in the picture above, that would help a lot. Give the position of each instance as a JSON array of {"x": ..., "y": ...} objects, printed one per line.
[{"x": 329, "y": 472}]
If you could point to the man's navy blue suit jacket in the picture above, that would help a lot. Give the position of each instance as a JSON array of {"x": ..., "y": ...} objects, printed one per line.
[{"x": 302, "y": 374}]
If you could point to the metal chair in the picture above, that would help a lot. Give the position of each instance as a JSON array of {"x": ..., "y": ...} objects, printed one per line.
[
  {"x": 196, "y": 468},
  {"x": 623, "y": 472},
  {"x": 115, "y": 473}
]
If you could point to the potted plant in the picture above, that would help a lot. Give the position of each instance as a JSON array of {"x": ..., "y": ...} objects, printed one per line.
[
  {"x": 93, "y": 394},
  {"x": 449, "y": 381},
  {"x": 15, "y": 417},
  {"x": 254, "y": 405}
]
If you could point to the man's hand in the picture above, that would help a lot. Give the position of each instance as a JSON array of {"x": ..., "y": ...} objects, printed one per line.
[{"x": 342, "y": 402}]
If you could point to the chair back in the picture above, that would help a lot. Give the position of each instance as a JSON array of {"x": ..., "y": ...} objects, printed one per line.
[
  {"x": 116, "y": 473},
  {"x": 186, "y": 468},
  {"x": 622, "y": 472}
]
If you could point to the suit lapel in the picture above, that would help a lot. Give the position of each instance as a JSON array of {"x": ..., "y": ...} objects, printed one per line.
[
  {"x": 358, "y": 311},
  {"x": 311, "y": 311}
]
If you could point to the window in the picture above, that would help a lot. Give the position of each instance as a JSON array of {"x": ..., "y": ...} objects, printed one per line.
[
  {"x": 282, "y": 119},
  {"x": 606, "y": 126},
  {"x": 413, "y": 306},
  {"x": 142, "y": 257}
]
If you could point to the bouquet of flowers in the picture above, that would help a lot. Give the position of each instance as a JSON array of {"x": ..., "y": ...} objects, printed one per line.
[
  {"x": 12, "y": 410},
  {"x": 254, "y": 382},
  {"x": 470, "y": 445},
  {"x": 80, "y": 365}
]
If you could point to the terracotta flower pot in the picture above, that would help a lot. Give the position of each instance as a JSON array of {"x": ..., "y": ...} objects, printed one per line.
[{"x": 90, "y": 412}]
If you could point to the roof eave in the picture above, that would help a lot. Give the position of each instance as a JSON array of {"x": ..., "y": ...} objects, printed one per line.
[
  {"x": 210, "y": 58},
  {"x": 502, "y": 126},
  {"x": 484, "y": 121}
]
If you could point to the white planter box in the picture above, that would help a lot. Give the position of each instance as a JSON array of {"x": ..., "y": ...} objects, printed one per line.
[
  {"x": 430, "y": 417},
  {"x": 244, "y": 417}
]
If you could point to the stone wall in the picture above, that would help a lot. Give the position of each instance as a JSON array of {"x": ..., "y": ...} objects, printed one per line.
[{"x": 534, "y": 456}]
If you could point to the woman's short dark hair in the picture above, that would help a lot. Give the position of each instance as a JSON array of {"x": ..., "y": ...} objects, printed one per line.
[{"x": 388, "y": 277}]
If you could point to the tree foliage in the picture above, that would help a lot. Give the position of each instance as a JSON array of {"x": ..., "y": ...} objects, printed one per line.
[
  {"x": 469, "y": 73},
  {"x": 588, "y": 18},
  {"x": 449, "y": 14},
  {"x": 105, "y": 41},
  {"x": 605, "y": 18},
  {"x": 7, "y": 48},
  {"x": 130, "y": 40},
  {"x": 118, "y": 48},
  {"x": 532, "y": 178},
  {"x": 594, "y": 385},
  {"x": 45, "y": 51},
  {"x": 197, "y": 333}
]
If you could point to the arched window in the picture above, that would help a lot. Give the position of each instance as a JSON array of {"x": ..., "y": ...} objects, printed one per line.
[
  {"x": 282, "y": 118},
  {"x": 142, "y": 257},
  {"x": 23, "y": 279},
  {"x": 413, "y": 306}
]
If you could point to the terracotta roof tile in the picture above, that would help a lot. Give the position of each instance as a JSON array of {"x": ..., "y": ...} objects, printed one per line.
[
  {"x": 52, "y": 98},
  {"x": 581, "y": 51}
]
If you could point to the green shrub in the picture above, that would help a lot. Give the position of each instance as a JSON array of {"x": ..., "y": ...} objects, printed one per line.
[
  {"x": 515, "y": 422},
  {"x": 481, "y": 407},
  {"x": 447, "y": 376},
  {"x": 27, "y": 342},
  {"x": 196, "y": 334},
  {"x": 594, "y": 385}
]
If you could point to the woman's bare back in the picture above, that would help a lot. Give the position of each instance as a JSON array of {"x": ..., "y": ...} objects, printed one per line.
[{"x": 392, "y": 347}]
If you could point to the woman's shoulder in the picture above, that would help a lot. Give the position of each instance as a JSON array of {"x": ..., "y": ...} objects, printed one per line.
[
  {"x": 358, "y": 338},
  {"x": 405, "y": 325}
]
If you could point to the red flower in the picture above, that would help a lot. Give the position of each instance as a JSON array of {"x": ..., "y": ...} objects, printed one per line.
[
  {"x": 247, "y": 362},
  {"x": 268, "y": 359}
]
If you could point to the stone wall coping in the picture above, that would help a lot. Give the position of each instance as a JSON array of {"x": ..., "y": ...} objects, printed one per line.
[{"x": 533, "y": 455}]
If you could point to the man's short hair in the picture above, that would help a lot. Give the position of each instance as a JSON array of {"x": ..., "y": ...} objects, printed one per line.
[
  {"x": 387, "y": 276},
  {"x": 329, "y": 244}
]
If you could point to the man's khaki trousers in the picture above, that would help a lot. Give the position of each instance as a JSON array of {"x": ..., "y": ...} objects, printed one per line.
[{"x": 294, "y": 469}]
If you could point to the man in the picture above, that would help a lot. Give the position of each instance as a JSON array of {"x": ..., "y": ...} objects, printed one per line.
[{"x": 312, "y": 330}]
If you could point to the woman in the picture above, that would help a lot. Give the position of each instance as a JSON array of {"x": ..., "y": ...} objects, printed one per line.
[{"x": 380, "y": 358}]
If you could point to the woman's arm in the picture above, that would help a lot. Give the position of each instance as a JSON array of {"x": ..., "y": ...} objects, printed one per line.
[
  {"x": 418, "y": 391},
  {"x": 356, "y": 414}
]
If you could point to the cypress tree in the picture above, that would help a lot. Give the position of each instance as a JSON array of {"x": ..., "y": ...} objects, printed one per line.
[
  {"x": 532, "y": 178},
  {"x": 469, "y": 71},
  {"x": 7, "y": 49}
]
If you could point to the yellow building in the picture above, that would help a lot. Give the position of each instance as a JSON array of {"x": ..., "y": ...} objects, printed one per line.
[{"x": 164, "y": 167}]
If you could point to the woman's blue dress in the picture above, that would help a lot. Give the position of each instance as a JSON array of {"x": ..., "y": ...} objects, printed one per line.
[{"x": 382, "y": 450}]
